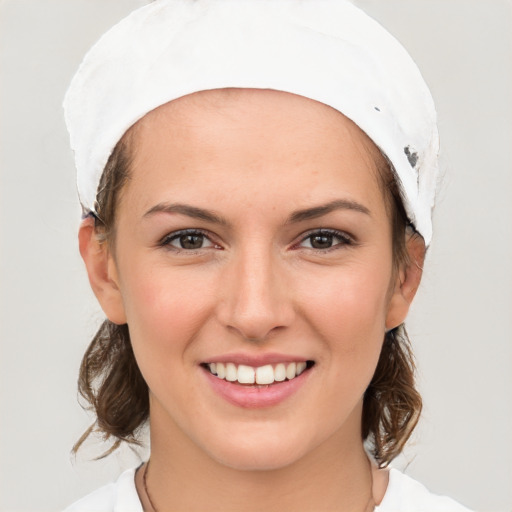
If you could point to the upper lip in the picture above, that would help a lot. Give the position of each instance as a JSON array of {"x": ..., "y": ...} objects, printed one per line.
[{"x": 256, "y": 360}]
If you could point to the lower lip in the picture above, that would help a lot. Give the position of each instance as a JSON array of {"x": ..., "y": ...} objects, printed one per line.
[{"x": 256, "y": 397}]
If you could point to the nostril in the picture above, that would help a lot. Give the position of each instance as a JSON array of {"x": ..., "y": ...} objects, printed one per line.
[{"x": 254, "y": 333}]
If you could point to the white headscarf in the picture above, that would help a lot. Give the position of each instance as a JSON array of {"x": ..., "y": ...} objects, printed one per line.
[{"x": 326, "y": 50}]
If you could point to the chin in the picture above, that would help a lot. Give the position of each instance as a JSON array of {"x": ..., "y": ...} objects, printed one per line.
[
  {"x": 259, "y": 453},
  {"x": 255, "y": 460}
]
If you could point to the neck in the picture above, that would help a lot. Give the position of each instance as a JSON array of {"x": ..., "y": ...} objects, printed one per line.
[{"x": 335, "y": 476}]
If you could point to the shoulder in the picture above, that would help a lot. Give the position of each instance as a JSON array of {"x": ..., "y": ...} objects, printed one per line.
[
  {"x": 119, "y": 496},
  {"x": 404, "y": 494}
]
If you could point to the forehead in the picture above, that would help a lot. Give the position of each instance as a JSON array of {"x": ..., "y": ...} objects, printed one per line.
[
  {"x": 276, "y": 135},
  {"x": 270, "y": 110}
]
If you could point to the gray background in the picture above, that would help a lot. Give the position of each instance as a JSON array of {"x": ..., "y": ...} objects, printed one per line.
[{"x": 461, "y": 324}]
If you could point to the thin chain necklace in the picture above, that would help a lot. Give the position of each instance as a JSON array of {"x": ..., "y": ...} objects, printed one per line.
[
  {"x": 370, "y": 506},
  {"x": 146, "y": 492}
]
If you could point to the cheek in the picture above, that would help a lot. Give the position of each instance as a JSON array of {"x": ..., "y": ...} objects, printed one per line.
[
  {"x": 355, "y": 300},
  {"x": 345, "y": 313},
  {"x": 164, "y": 307},
  {"x": 350, "y": 314},
  {"x": 165, "y": 311}
]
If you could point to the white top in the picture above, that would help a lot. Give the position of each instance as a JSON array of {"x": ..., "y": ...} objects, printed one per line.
[{"x": 403, "y": 494}]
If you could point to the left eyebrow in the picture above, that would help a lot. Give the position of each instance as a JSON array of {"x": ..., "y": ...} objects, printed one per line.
[
  {"x": 319, "y": 211},
  {"x": 188, "y": 210}
]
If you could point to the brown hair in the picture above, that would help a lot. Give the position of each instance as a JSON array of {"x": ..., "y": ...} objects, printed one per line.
[{"x": 111, "y": 383}]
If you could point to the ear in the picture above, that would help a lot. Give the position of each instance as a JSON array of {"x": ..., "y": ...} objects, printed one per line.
[
  {"x": 407, "y": 282},
  {"x": 102, "y": 272}
]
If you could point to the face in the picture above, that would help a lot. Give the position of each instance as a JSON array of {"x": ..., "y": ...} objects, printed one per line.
[{"x": 253, "y": 243}]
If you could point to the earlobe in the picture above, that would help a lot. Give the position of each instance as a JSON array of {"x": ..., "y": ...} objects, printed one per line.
[
  {"x": 406, "y": 283},
  {"x": 102, "y": 272}
]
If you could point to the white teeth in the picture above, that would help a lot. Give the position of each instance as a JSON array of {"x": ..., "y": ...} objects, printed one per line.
[
  {"x": 291, "y": 371},
  {"x": 245, "y": 374},
  {"x": 300, "y": 367},
  {"x": 231, "y": 373},
  {"x": 221, "y": 371},
  {"x": 280, "y": 372},
  {"x": 263, "y": 375}
]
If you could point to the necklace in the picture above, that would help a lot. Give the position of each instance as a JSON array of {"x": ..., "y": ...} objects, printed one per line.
[
  {"x": 146, "y": 492},
  {"x": 370, "y": 505}
]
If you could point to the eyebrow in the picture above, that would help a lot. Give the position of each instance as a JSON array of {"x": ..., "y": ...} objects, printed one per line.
[
  {"x": 189, "y": 211},
  {"x": 298, "y": 216},
  {"x": 319, "y": 211}
]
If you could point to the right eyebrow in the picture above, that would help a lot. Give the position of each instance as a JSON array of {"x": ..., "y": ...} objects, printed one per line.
[
  {"x": 188, "y": 210},
  {"x": 321, "y": 210}
]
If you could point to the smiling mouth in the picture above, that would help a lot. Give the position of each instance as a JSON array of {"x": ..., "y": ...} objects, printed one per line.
[{"x": 261, "y": 375}]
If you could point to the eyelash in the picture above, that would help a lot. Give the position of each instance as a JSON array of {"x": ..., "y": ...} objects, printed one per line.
[
  {"x": 343, "y": 238},
  {"x": 167, "y": 240}
]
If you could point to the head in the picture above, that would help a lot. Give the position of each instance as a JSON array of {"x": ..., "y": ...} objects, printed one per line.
[{"x": 252, "y": 225}]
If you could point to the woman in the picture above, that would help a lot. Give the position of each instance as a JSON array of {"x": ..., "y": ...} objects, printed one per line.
[{"x": 257, "y": 179}]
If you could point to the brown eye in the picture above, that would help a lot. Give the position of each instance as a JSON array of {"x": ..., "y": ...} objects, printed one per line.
[
  {"x": 187, "y": 240},
  {"x": 323, "y": 240},
  {"x": 191, "y": 241}
]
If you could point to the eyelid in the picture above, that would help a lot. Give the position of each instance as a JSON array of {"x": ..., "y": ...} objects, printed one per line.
[
  {"x": 347, "y": 240},
  {"x": 166, "y": 240}
]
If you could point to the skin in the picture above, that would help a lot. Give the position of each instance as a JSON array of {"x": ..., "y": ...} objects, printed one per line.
[{"x": 254, "y": 159}]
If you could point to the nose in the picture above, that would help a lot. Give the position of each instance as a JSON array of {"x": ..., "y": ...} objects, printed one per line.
[{"x": 256, "y": 299}]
